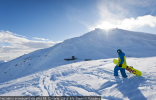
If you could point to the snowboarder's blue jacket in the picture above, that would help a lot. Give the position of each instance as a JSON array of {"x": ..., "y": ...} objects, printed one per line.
[{"x": 122, "y": 60}]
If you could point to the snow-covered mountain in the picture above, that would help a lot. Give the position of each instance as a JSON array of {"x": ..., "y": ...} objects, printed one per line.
[{"x": 45, "y": 72}]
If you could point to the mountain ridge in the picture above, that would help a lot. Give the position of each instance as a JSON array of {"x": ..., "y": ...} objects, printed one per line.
[{"x": 97, "y": 44}]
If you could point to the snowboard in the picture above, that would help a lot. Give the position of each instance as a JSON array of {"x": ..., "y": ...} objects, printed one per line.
[{"x": 130, "y": 69}]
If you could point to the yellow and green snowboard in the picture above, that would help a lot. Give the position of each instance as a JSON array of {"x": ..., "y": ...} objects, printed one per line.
[{"x": 130, "y": 69}]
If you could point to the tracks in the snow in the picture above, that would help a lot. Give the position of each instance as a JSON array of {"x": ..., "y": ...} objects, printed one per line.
[{"x": 72, "y": 80}]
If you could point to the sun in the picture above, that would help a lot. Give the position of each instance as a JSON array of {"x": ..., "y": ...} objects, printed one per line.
[{"x": 106, "y": 26}]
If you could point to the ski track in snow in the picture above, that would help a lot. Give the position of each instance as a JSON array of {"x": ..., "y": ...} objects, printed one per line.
[{"x": 92, "y": 78}]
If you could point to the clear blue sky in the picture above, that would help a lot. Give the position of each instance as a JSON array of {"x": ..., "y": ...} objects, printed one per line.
[
  {"x": 35, "y": 24},
  {"x": 52, "y": 19}
]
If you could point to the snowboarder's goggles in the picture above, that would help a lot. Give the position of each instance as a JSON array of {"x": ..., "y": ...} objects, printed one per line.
[{"x": 118, "y": 51}]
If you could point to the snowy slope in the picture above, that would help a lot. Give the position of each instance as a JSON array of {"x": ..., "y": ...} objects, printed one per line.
[
  {"x": 91, "y": 78},
  {"x": 36, "y": 73}
]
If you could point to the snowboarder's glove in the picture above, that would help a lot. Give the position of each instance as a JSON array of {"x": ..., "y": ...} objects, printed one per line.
[{"x": 120, "y": 65}]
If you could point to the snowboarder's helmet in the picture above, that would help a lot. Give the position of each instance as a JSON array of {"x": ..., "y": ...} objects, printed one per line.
[{"x": 119, "y": 51}]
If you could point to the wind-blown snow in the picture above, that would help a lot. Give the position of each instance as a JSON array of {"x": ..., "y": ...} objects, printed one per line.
[{"x": 46, "y": 73}]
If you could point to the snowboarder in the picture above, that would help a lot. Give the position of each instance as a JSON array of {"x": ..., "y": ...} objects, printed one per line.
[{"x": 122, "y": 63}]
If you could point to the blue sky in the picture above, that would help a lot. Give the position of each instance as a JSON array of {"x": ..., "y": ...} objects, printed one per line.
[
  {"x": 52, "y": 19},
  {"x": 35, "y": 24}
]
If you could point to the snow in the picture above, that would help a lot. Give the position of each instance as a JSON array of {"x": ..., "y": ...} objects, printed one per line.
[{"x": 45, "y": 72}]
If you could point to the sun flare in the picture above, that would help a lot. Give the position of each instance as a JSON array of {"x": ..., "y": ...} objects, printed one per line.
[{"x": 106, "y": 26}]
